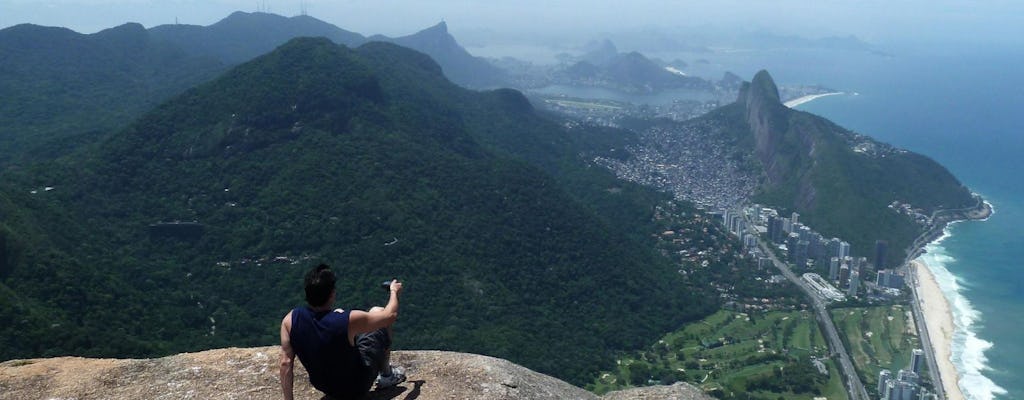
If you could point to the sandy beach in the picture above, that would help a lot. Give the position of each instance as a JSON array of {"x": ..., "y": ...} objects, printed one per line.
[
  {"x": 939, "y": 322},
  {"x": 804, "y": 99}
]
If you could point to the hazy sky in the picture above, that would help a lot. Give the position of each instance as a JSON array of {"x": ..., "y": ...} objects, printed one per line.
[{"x": 878, "y": 21}]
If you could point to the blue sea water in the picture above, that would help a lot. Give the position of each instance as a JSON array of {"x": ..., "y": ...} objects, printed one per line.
[{"x": 965, "y": 109}]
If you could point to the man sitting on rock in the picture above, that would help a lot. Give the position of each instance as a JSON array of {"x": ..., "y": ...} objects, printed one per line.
[{"x": 344, "y": 351}]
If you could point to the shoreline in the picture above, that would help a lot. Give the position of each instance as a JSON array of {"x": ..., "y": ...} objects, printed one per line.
[
  {"x": 938, "y": 321},
  {"x": 938, "y": 325},
  {"x": 806, "y": 99}
]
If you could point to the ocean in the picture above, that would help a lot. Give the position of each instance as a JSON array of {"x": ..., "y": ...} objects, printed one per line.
[{"x": 963, "y": 108}]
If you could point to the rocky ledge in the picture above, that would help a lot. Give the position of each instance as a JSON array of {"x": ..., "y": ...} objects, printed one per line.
[{"x": 251, "y": 373}]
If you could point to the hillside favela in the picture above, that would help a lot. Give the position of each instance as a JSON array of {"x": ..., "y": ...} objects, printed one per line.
[{"x": 395, "y": 199}]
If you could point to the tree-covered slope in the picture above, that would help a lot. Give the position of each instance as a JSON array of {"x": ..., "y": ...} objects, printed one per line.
[
  {"x": 61, "y": 88},
  {"x": 840, "y": 182},
  {"x": 367, "y": 159}
]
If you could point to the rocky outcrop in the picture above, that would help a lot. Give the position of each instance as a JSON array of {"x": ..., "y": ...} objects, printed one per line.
[
  {"x": 785, "y": 149},
  {"x": 252, "y": 373},
  {"x": 767, "y": 117},
  {"x": 678, "y": 391}
]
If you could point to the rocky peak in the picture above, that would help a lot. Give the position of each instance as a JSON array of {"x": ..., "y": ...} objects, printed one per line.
[
  {"x": 252, "y": 373},
  {"x": 440, "y": 28},
  {"x": 768, "y": 119}
]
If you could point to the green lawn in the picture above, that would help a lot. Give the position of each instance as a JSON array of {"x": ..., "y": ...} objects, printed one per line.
[
  {"x": 729, "y": 351},
  {"x": 877, "y": 338}
]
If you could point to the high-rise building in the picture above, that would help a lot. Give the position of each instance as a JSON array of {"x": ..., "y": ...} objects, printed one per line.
[
  {"x": 817, "y": 250},
  {"x": 889, "y": 279},
  {"x": 907, "y": 391},
  {"x": 775, "y": 232},
  {"x": 890, "y": 389},
  {"x": 916, "y": 360},
  {"x": 906, "y": 375},
  {"x": 833, "y": 269},
  {"x": 883, "y": 381},
  {"x": 854, "y": 284},
  {"x": 844, "y": 249},
  {"x": 791, "y": 247},
  {"x": 896, "y": 281},
  {"x": 844, "y": 274},
  {"x": 749, "y": 242},
  {"x": 801, "y": 253},
  {"x": 882, "y": 279},
  {"x": 881, "y": 248},
  {"x": 833, "y": 248},
  {"x": 795, "y": 219},
  {"x": 804, "y": 231}
]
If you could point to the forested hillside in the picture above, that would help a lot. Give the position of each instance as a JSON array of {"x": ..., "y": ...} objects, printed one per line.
[
  {"x": 367, "y": 159},
  {"x": 840, "y": 182},
  {"x": 62, "y": 89}
]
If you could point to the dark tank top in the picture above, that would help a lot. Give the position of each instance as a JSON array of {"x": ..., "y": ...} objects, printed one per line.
[{"x": 320, "y": 340}]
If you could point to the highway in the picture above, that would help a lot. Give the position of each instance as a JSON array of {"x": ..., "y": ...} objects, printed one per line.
[
  {"x": 854, "y": 387},
  {"x": 922, "y": 329}
]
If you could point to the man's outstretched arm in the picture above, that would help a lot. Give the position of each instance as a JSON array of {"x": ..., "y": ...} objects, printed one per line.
[
  {"x": 376, "y": 318},
  {"x": 287, "y": 371}
]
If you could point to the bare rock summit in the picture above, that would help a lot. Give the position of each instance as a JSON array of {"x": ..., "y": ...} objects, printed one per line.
[{"x": 252, "y": 373}]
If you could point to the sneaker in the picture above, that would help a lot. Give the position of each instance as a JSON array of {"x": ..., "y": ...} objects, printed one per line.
[{"x": 386, "y": 381}]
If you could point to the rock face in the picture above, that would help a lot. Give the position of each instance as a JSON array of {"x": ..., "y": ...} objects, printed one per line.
[
  {"x": 252, "y": 373},
  {"x": 768, "y": 118}
]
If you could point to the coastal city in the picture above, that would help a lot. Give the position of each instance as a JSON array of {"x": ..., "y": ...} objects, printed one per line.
[{"x": 686, "y": 161}]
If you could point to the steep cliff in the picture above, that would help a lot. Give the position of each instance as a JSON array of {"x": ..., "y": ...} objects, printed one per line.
[
  {"x": 783, "y": 152},
  {"x": 252, "y": 373},
  {"x": 841, "y": 182}
]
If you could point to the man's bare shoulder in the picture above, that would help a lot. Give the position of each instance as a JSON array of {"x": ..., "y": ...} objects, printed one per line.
[{"x": 287, "y": 320}]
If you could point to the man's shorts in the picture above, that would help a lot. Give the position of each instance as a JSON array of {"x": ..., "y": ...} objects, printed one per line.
[{"x": 373, "y": 347}]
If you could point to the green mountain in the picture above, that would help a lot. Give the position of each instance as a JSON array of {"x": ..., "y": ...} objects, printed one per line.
[
  {"x": 61, "y": 88},
  {"x": 368, "y": 159},
  {"x": 840, "y": 182},
  {"x": 242, "y": 36},
  {"x": 458, "y": 65},
  {"x": 604, "y": 66}
]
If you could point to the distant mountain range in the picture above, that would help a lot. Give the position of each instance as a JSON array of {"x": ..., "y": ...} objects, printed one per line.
[
  {"x": 53, "y": 78},
  {"x": 243, "y": 36},
  {"x": 604, "y": 66}
]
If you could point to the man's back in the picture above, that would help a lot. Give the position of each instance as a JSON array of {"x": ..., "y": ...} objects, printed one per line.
[{"x": 320, "y": 340}]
